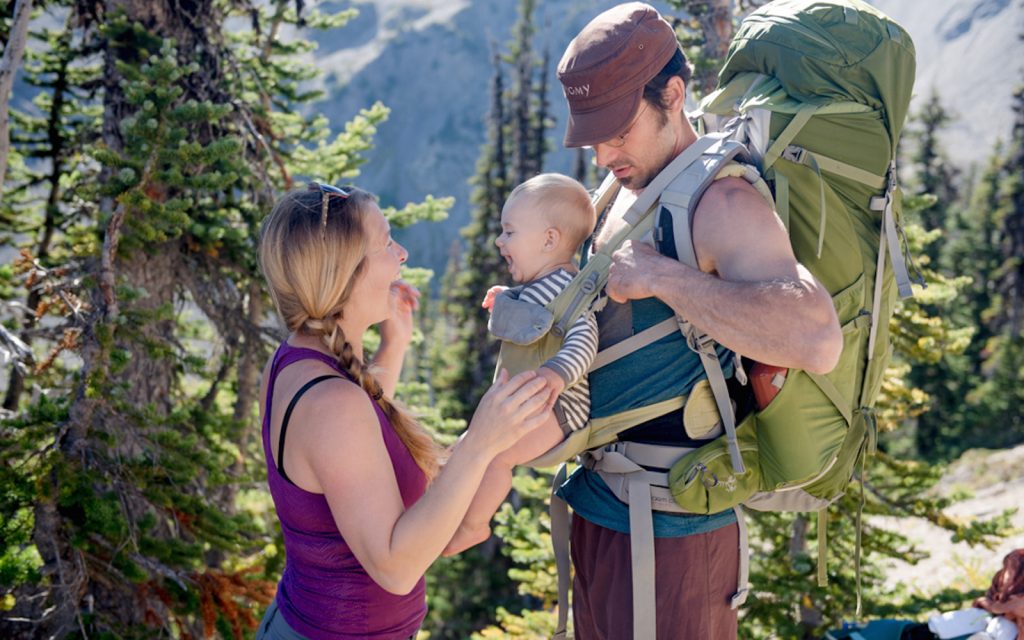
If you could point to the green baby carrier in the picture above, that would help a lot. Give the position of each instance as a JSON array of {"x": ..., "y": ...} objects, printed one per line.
[{"x": 813, "y": 94}]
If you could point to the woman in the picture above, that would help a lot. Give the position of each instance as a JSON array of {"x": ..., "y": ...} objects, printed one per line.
[
  {"x": 356, "y": 482},
  {"x": 1005, "y": 597}
]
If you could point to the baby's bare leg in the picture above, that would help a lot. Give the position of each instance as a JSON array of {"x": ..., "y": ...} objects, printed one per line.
[{"x": 497, "y": 482}]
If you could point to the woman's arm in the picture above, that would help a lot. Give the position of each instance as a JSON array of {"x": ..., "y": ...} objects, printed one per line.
[
  {"x": 346, "y": 453},
  {"x": 395, "y": 336}
]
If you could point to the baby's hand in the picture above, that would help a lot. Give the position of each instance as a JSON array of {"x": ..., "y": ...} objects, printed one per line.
[
  {"x": 491, "y": 294},
  {"x": 554, "y": 381}
]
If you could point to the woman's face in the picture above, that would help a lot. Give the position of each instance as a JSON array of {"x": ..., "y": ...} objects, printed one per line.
[{"x": 370, "y": 299}]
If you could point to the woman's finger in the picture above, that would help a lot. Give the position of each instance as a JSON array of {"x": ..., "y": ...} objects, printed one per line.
[
  {"x": 534, "y": 421},
  {"x": 532, "y": 394},
  {"x": 413, "y": 296},
  {"x": 504, "y": 389},
  {"x": 406, "y": 293}
]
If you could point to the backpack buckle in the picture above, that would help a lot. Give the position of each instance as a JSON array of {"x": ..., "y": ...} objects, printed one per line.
[{"x": 793, "y": 153}]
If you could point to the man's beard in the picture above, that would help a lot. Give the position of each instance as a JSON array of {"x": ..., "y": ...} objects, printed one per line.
[{"x": 640, "y": 180}]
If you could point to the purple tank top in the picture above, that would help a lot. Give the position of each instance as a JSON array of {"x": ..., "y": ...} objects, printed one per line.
[{"x": 324, "y": 593}]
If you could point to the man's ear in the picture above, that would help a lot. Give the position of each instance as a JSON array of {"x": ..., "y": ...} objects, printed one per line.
[
  {"x": 552, "y": 238},
  {"x": 674, "y": 94}
]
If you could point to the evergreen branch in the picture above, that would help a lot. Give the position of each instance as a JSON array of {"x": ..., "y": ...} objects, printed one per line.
[
  {"x": 276, "y": 157},
  {"x": 153, "y": 566},
  {"x": 112, "y": 238},
  {"x": 206, "y": 402},
  {"x": 106, "y": 277}
]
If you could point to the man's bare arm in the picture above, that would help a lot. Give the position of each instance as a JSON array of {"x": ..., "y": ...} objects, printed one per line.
[{"x": 750, "y": 294}]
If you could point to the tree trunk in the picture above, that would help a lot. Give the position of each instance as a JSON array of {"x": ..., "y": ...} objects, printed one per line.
[
  {"x": 13, "y": 52},
  {"x": 99, "y": 434},
  {"x": 717, "y": 25}
]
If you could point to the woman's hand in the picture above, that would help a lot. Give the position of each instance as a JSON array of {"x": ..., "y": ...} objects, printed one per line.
[
  {"x": 508, "y": 411},
  {"x": 395, "y": 335},
  {"x": 396, "y": 331}
]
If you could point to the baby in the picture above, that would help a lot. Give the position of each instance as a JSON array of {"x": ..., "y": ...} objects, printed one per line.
[{"x": 543, "y": 223}]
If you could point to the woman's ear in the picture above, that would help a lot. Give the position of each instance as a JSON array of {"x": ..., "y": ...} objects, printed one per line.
[{"x": 552, "y": 238}]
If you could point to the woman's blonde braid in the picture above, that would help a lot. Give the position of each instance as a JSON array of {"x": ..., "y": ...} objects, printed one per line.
[{"x": 415, "y": 438}]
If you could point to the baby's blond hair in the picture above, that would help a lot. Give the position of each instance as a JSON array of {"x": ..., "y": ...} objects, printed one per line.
[{"x": 564, "y": 203}]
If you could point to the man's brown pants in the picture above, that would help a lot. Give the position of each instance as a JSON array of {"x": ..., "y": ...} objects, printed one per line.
[{"x": 695, "y": 577}]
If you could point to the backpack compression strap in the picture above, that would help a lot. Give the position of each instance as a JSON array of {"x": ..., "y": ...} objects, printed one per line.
[{"x": 680, "y": 200}]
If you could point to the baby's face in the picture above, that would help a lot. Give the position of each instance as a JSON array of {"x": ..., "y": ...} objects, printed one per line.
[{"x": 522, "y": 240}]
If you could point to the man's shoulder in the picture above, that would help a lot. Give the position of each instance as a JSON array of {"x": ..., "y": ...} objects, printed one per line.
[
  {"x": 730, "y": 213},
  {"x": 730, "y": 192},
  {"x": 727, "y": 202}
]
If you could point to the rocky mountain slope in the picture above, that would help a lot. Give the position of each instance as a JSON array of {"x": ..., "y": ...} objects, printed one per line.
[
  {"x": 994, "y": 482},
  {"x": 429, "y": 61}
]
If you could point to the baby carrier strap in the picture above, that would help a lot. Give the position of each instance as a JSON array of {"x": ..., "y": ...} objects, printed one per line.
[{"x": 575, "y": 299}]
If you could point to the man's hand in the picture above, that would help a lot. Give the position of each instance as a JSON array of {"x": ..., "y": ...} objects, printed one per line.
[
  {"x": 554, "y": 382},
  {"x": 491, "y": 294},
  {"x": 630, "y": 271}
]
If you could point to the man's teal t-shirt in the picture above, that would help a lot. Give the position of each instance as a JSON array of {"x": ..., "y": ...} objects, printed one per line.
[{"x": 662, "y": 370}]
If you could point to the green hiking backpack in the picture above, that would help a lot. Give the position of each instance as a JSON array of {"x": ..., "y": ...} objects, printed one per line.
[{"x": 818, "y": 92}]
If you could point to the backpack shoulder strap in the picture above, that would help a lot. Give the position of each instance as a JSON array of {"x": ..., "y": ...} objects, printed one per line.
[
  {"x": 680, "y": 198},
  {"x": 580, "y": 293}
]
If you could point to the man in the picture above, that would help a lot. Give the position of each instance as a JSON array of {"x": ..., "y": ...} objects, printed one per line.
[{"x": 625, "y": 77}]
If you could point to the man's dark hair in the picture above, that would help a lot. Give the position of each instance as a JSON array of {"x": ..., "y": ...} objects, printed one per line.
[{"x": 677, "y": 66}]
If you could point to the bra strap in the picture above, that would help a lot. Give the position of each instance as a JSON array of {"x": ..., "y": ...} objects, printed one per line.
[{"x": 288, "y": 414}]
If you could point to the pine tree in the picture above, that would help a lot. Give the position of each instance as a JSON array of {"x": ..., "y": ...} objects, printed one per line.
[
  {"x": 1009, "y": 276},
  {"x": 52, "y": 140},
  {"x": 128, "y": 484},
  {"x": 705, "y": 34},
  {"x": 937, "y": 372},
  {"x": 999, "y": 395},
  {"x": 468, "y": 364},
  {"x": 932, "y": 171},
  {"x": 14, "y": 49},
  {"x": 514, "y": 152}
]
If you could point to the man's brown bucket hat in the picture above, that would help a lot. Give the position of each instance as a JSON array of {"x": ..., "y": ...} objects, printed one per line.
[{"x": 605, "y": 68}]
